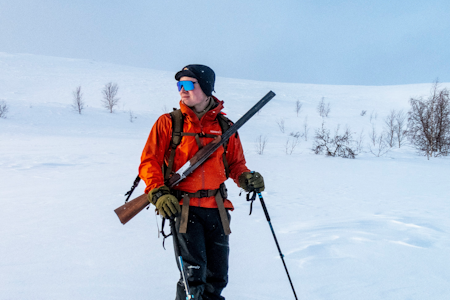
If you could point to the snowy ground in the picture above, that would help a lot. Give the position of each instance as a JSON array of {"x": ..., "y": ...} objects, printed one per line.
[{"x": 368, "y": 228}]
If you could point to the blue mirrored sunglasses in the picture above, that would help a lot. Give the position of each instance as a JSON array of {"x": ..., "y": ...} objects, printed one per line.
[{"x": 188, "y": 85}]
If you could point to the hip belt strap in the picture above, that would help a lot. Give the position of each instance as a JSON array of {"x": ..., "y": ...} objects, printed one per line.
[{"x": 202, "y": 194}]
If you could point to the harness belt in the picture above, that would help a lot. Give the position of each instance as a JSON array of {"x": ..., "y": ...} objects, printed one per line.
[{"x": 220, "y": 195}]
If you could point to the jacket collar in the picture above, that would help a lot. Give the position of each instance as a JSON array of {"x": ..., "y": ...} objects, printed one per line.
[{"x": 210, "y": 115}]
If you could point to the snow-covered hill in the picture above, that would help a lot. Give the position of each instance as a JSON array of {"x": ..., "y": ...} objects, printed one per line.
[{"x": 369, "y": 228}]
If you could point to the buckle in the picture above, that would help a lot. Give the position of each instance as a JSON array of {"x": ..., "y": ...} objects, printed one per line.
[{"x": 203, "y": 193}]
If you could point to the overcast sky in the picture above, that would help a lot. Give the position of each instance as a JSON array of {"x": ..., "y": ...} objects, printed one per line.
[{"x": 367, "y": 42}]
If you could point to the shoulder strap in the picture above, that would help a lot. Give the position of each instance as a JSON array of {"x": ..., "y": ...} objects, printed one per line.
[
  {"x": 177, "y": 126},
  {"x": 177, "y": 129}
]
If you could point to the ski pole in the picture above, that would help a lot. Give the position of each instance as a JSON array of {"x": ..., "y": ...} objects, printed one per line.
[
  {"x": 180, "y": 259},
  {"x": 276, "y": 241}
]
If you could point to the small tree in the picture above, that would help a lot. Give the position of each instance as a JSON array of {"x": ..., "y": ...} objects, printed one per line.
[
  {"x": 378, "y": 145},
  {"x": 78, "y": 103},
  {"x": 280, "y": 123},
  {"x": 429, "y": 123},
  {"x": 261, "y": 144},
  {"x": 109, "y": 96},
  {"x": 323, "y": 109},
  {"x": 391, "y": 128},
  {"x": 3, "y": 109},
  {"x": 401, "y": 132},
  {"x": 360, "y": 142},
  {"x": 305, "y": 128},
  {"x": 291, "y": 144},
  {"x": 131, "y": 116},
  {"x": 338, "y": 145},
  {"x": 298, "y": 107}
]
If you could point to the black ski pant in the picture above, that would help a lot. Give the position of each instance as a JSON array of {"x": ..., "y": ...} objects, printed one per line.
[{"x": 205, "y": 250}]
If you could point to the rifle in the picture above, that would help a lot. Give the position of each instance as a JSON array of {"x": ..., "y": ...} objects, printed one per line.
[{"x": 127, "y": 211}]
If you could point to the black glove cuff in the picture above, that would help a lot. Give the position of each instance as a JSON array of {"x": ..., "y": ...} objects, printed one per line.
[{"x": 158, "y": 195}]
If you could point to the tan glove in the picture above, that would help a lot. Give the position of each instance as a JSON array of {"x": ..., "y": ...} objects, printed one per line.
[
  {"x": 250, "y": 181},
  {"x": 166, "y": 204}
]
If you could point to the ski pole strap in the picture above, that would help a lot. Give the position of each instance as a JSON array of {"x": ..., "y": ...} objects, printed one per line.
[{"x": 251, "y": 199}]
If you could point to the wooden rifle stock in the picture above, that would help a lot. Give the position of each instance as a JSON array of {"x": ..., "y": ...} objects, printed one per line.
[{"x": 127, "y": 211}]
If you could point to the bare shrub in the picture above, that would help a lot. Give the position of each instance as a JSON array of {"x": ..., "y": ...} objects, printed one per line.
[
  {"x": 261, "y": 144},
  {"x": 78, "y": 103},
  {"x": 131, "y": 116},
  {"x": 109, "y": 96},
  {"x": 280, "y": 123},
  {"x": 296, "y": 134},
  {"x": 340, "y": 145},
  {"x": 391, "y": 128},
  {"x": 363, "y": 113},
  {"x": 4, "y": 108},
  {"x": 298, "y": 107},
  {"x": 323, "y": 109},
  {"x": 292, "y": 143},
  {"x": 360, "y": 142},
  {"x": 401, "y": 131},
  {"x": 429, "y": 123},
  {"x": 305, "y": 128},
  {"x": 378, "y": 145}
]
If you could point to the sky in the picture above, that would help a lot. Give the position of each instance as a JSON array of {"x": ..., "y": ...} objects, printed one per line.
[{"x": 322, "y": 41}]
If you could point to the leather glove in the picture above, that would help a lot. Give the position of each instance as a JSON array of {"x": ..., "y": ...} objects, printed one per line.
[
  {"x": 251, "y": 181},
  {"x": 166, "y": 204}
]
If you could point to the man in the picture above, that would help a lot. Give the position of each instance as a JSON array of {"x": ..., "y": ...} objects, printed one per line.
[{"x": 199, "y": 202}]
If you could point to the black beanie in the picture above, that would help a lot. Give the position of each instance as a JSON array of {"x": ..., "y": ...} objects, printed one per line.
[{"x": 205, "y": 76}]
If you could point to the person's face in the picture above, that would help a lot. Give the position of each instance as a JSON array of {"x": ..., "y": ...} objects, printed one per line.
[{"x": 195, "y": 98}]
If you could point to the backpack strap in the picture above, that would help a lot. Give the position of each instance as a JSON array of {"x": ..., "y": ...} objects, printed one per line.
[
  {"x": 177, "y": 134},
  {"x": 177, "y": 129}
]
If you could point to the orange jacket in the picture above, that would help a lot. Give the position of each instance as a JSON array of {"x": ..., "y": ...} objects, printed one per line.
[{"x": 207, "y": 176}]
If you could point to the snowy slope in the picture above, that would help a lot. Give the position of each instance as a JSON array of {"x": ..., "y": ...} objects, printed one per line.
[{"x": 369, "y": 228}]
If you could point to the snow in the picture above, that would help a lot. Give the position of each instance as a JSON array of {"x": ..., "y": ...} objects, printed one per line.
[{"x": 368, "y": 228}]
